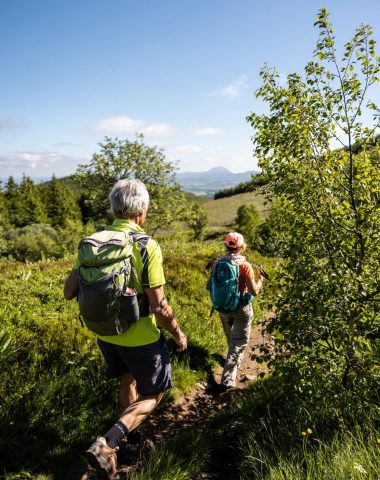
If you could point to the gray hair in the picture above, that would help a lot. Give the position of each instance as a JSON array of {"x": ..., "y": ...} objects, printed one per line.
[{"x": 129, "y": 197}]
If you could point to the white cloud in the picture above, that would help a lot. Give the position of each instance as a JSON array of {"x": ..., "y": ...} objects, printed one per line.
[
  {"x": 233, "y": 90},
  {"x": 35, "y": 159},
  {"x": 158, "y": 130},
  {"x": 121, "y": 124},
  {"x": 126, "y": 125},
  {"x": 203, "y": 132},
  {"x": 187, "y": 149}
]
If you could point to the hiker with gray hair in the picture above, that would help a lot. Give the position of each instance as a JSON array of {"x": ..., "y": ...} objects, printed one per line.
[
  {"x": 132, "y": 346},
  {"x": 232, "y": 287}
]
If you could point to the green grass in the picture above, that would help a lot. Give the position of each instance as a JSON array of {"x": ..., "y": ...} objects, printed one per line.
[
  {"x": 51, "y": 374},
  {"x": 222, "y": 212},
  {"x": 345, "y": 456},
  {"x": 258, "y": 436},
  {"x": 54, "y": 399}
]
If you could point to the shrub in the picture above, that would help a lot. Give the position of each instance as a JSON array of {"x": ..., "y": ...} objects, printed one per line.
[{"x": 32, "y": 243}]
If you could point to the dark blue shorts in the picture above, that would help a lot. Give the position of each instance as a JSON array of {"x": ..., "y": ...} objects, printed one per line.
[{"x": 149, "y": 364}]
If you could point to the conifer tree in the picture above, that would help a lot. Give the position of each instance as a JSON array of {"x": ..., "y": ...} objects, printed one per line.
[
  {"x": 4, "y": 214},
  {"x": 12, "y": 201},
  {"x": 31, "y": 204},
  {"x": 61, "y": 204}
]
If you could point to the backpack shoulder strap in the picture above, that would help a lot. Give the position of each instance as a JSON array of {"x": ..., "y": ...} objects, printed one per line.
[{"x": 141, "y": 239}]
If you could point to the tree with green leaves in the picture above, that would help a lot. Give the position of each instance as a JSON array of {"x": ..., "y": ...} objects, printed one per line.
[
  {"x": 198, "y": 220},
  {"x": 247, "y": 221},
  {"x": 131, "y": 159},
  {"x": 316, "y": 146}
]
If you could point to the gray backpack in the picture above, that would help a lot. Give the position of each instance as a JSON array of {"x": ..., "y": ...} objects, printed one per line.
[{"x": 107, "y": 303}]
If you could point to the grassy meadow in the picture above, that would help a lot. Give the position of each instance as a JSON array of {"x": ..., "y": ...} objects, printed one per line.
[{"x": 222, "y": 212}]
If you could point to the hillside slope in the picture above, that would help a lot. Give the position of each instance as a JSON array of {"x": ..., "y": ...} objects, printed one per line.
[{"x": 222, "y": 212}]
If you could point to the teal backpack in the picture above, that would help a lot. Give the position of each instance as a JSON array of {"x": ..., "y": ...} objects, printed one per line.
[
  {"x": 224, "y": 289},
  {"x": 108, "y": 305}
]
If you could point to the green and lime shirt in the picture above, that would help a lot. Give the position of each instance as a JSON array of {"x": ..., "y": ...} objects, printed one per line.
[{"x": 147, "y": 260}]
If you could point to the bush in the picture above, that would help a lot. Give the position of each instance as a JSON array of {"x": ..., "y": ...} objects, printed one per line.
[{"x": 32, "y": 243}]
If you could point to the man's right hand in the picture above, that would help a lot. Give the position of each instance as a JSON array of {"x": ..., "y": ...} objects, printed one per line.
[
  {"x": 165, "y": 316},
  {"x": 181, "y": 340}
]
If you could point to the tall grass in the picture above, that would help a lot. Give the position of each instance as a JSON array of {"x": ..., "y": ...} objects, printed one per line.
[
  {"x": 346, "y": 456},
  {"x": 262, "y": 435}
]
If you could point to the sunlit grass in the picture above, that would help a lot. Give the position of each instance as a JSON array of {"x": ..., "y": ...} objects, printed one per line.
[
  {"x": 346, "y": 456},
  {"x": 223, "y": 211}
]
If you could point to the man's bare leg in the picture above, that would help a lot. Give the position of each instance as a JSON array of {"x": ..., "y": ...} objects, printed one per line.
[
  {"x": 140, "y": 409},
  {"x": 128, "y": 391}
]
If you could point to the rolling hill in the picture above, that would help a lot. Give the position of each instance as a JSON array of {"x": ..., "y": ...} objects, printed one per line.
[{"x": 209, "y": 182}]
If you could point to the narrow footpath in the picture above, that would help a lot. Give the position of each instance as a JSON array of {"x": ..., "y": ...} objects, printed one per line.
[{"x": 197, "y": 407}]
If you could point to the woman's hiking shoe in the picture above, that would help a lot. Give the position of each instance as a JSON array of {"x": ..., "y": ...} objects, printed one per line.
[
  {"x": 218, "y": 389},
  {"x": 102, "y": 457}
]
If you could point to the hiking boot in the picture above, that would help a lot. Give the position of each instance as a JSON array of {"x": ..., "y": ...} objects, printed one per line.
[
  {"x": 102, "y": 457},
  {"x": 218, "y": 388}
]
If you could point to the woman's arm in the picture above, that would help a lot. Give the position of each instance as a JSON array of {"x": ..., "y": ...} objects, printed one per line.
[{"x": 255, "y": 287}]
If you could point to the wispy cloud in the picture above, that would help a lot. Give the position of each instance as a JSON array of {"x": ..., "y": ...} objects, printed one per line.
[
  {"x": 35, "y": 159},
  {"x": 232, "y": 90},
  {"x": 7, "y": 123},
  {"x": 64, "y": 144},
  {"x": 187, "y": 149},
  {"x": 127, "y": 125},
  {"x": 120, "y": 124},
  {"x": 204, "y": 132},
  {"x": 158, "y": 130}
]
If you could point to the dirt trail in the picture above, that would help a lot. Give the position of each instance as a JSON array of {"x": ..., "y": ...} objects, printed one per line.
[{"x": 197, "y": 407}]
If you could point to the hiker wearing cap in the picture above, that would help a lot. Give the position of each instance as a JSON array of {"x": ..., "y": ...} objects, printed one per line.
[
  {"x": 237, "y": 315},
  {"x": 135, "y": 351}
]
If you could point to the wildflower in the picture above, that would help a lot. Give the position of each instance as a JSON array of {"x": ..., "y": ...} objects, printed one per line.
[
  {"x": 309, "y": 431},
  {"x": 303, "y": 434},
  {"x": 359, "y": 468},
  {"x": 378, "y": 441}
]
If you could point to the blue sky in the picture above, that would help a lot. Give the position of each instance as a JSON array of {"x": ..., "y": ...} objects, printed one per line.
[{"x": 181, "y": 72}]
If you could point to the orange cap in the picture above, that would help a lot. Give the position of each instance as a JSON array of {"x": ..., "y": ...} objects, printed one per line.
[{"x": 234, "y": 240}]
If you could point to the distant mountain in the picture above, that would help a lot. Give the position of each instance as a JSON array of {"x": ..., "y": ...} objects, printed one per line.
[{"x": 207, "y": 183}]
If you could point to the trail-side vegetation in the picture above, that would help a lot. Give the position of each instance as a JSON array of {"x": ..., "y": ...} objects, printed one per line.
[
  {"x": 328, "y": 312},
  {"x": 51, "y": 378}
]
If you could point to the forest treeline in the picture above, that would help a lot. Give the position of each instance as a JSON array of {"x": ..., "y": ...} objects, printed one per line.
[
  {"x": 258, "y": 180},
  {"x": 46, "y": 220},
  {"x": 38, "y": 220}
]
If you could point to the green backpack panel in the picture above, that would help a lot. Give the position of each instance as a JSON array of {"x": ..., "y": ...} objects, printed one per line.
[{"x": 107, "y": 304}]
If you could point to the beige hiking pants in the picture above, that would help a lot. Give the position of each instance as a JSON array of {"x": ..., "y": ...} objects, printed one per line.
[{"x": 237, "y": 328}]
